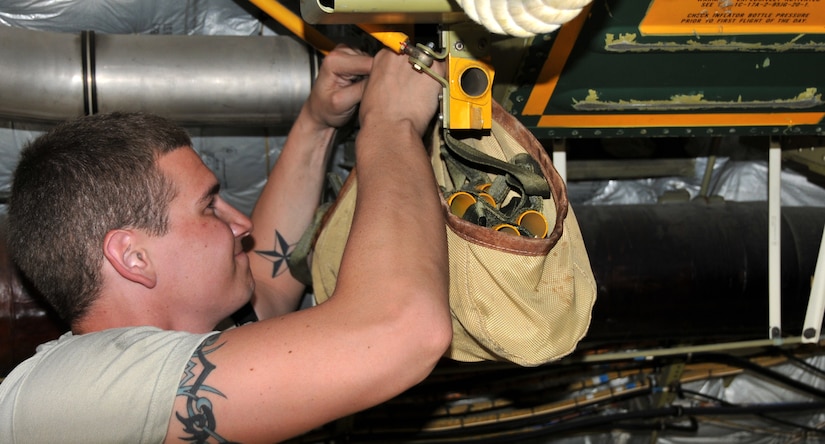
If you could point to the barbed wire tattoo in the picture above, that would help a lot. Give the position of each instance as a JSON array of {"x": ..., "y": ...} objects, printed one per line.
[{"x": 199, "y": 419}]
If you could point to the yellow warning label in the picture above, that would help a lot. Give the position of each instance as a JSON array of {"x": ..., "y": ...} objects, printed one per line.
[{"x": 722, "y": 17}]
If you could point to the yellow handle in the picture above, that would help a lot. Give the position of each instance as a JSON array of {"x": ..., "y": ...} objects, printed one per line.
[
  {"x": 295, "y": 24},
  {"x": 391, "y": 39}
]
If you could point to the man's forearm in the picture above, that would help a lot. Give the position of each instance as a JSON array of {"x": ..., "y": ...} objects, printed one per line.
[
  {"x": 398, "y": 237},
  {"x": 284, "y": 211}
]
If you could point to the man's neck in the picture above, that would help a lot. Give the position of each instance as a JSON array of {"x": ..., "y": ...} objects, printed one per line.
[{"x": 105, "y": 314}]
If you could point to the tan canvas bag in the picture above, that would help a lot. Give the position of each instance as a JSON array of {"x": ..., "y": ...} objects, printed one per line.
[{"x": 522, "y": 299}]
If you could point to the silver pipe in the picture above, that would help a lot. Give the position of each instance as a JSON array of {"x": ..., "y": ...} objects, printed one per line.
[
  {"x": 42, "y": 75},
  {"x": 199, "y": 80}
]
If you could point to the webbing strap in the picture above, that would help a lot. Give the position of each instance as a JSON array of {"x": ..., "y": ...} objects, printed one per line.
[
  {"x": 532, "y": 182},
  {"x": 468, "y": 169},
  {"x": 297, "y": 260}
]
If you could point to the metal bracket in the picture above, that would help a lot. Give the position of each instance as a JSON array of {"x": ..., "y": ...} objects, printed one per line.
[
  {"x": 669, "y": 376},
  {"x": 774, "y": 246},
  {"x": 422, "y": 58},
  {"x": 468, "y": 104}
]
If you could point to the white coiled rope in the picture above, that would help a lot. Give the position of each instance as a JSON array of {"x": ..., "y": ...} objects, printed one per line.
[{"x": 522, "y": 18}]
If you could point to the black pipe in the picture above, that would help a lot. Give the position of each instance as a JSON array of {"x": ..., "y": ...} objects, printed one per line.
[
  {"x": 678, "y": 272},
  {"x": 672, "y": 273}
]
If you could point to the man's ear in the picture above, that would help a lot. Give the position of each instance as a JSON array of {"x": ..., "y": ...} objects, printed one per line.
[{"x": 123, "y": 250}]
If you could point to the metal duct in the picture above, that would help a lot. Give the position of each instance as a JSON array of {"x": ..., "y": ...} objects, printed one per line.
[{"x": 199, "y": 80}]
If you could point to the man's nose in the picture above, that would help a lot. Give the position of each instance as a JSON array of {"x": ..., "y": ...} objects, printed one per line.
[{"x": 240, "y": 224}]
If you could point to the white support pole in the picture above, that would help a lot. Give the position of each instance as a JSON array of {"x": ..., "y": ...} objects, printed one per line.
[
  {"x": 560, "y": 157},
  {"x": 774, "y": 247},
  {"x": 816, "y": 302}
]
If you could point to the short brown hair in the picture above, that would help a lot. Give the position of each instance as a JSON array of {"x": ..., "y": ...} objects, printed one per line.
[{"x": 76, "y": 183}]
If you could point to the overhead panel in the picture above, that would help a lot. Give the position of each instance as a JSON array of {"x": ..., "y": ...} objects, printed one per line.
[
  {"x": 381, "y": 12},
  {"x": 677, "y": 68}
]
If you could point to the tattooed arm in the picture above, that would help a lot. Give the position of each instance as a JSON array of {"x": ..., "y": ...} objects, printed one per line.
[
  {"x": 289, "y": 199},
  {"x": 195, "y": 419},
  {"x": 386, "y": 326}
]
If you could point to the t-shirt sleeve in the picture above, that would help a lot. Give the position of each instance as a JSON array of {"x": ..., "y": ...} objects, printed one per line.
[{"x": 113, "y": 386}]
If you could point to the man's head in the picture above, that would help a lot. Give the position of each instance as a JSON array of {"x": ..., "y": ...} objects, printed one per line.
[{"x": 76, "y": 183}]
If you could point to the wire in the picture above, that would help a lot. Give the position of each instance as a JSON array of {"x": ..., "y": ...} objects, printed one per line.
[
  {"x": 801, "y": 362},
  {"x": 764, "y": 416},
  {"x": 499, "y": 405},
  {"x": 748, "y": 365}
]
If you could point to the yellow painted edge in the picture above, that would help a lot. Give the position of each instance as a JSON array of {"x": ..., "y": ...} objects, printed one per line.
[
  {"x": 721, "y": 30},
  {"x": 568, "y": 34},
  {"x": 679, "y": 120},
  {"x": 295, "y": 24}
]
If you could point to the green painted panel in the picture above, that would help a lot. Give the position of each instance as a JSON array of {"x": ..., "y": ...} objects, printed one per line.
[{"x": 747, "y": 83}]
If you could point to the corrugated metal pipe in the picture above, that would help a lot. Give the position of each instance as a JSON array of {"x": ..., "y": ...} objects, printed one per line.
[{"x": 198, "y": 80}]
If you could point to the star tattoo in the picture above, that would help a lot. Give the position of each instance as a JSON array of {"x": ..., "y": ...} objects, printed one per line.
[{"x": 279, "y": 255}]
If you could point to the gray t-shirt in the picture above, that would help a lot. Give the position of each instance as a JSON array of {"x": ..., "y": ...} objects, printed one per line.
[{"x": 112, "y": 386}]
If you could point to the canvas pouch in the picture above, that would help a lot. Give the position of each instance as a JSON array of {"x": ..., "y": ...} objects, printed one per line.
[{"x": 523, "y": 297}]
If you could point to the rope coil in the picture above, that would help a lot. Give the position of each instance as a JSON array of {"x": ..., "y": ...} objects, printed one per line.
[{"x": 522, "y": 18}]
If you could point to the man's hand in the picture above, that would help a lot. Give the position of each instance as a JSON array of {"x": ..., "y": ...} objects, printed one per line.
[
  {"x": 339, "y": 87},
  {"x": 397, "y": 92}
]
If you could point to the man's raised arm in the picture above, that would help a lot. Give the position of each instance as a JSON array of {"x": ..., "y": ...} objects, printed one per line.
[
  {"x": 293, "y": 191},
  {"x": 387, "y": 322}
]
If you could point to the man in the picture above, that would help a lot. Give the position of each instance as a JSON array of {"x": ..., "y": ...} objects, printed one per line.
[{"x": 127, "y": 196}]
